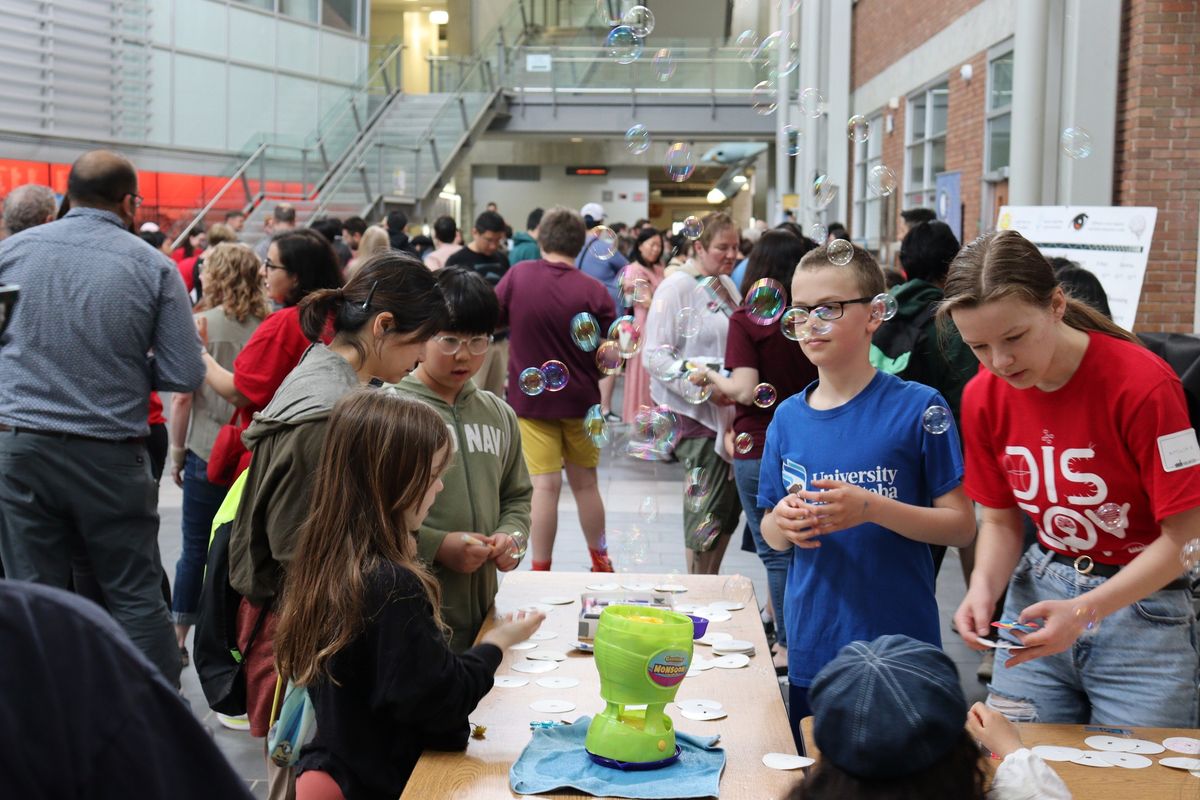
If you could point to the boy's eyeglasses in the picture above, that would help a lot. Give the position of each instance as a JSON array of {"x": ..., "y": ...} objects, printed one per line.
[
  {"x": 826, "y": 312},
  {"x": 450, "y": 345}
]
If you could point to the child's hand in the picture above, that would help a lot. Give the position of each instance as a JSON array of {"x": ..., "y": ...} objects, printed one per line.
[
  {"x": 513, "y": 628},
  {"x": 795, "y": 518},
  {"x": 993, "y": 730},
  {"x": 843, "y": 505},
  {"x": 502, "y": 551},
  {"x": 463, "y": 552}
]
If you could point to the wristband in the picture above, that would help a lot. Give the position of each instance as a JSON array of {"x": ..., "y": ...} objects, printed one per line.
[{"x": 178, "y": 455}]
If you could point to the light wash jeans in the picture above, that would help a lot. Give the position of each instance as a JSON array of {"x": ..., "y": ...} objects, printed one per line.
[
  {"x": 1140, "y": 668},
  {"x": 745, "y": 475}
]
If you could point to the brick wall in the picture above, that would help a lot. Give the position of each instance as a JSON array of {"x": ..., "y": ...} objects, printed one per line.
[
  {"x": 1158, "y": 149},
  {"x": 884, "y": 30}
]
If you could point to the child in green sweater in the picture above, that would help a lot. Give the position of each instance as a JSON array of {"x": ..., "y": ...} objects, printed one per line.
[{"x": 468, "y": 534}]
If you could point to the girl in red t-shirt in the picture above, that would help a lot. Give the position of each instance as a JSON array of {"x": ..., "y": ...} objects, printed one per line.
[{"x": 1078, "y": 426}]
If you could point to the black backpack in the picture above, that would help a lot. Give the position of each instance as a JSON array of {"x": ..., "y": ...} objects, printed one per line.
[
  {"x": 1182, "y": 352},
  {"x": 893, "y": 344}
]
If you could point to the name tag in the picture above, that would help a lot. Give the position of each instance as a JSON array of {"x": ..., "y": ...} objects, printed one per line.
[
  {"x": 795, "y": 477},
  {"x": 1179, "y": 450}
]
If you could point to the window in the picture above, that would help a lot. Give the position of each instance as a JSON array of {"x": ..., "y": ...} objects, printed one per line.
[
  {"x": 999, "y": 114},
  {"x": 340, "y": 15},
  {"x": 926, "y": 134},
  {"x": 304, "y": 10},
  {"x": 868, "y": 206}
]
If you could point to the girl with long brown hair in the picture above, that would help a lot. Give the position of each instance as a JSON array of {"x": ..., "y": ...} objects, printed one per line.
[
  {"x": 1076, "y": 425},
  {"x": 359, "y": 623}
]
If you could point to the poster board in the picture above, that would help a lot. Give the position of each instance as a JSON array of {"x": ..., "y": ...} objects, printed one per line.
[{"x": 1111, "y": 241}]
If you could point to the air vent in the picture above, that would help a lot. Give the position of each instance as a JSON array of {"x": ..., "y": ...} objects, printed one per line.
[{"x": 509, "y": 172}]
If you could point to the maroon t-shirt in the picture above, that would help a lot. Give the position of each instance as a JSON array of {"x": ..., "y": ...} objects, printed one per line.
[
  {"x": 537, "y": 301},
  {"x": 779, "y": 362}
]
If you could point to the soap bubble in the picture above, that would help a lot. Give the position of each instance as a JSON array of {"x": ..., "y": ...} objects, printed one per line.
[
  {"x": 608, "y": 357},
  {"x": 812, "y": 103},
  {"x": 840, "y": 252},
  {"x": 937, "y": 419},
  {"x": 884, "y": 306},
  {"x": 604, "y": 246},
  {"x": 819, "y": 327},
  {"x": 637, "y": 139},
  {"x": 768, "y": 52},
  {"x": 623, "y": 44},
  {"x": 520, "y": 544},
  {"x": 765, "y": 395},
  {"x": 585, "y": 331},
  {"x": 1189, "y": 556},
  {"x": 743, "y": 444},
  {"x": 696, "y": 487},
  {"x": 1112, "y": 517},
  {"x": 719, "y": 294},
  {"x": 688, "y": 322},
  {"x": 703, "y": 534},
  {"x": 662, "y": 361},
  {"x": 629, "y": 550},
  {"x": 858, "y": 128},
  {"x": 881, "y": 180},
  {"x": 793, "y": 6},
  {"x": 765, "y": 301},
  {"x": 692, "y": 228},
  {"x": 640, "y": 20},
  {"x": 823, "y": 190},
  {"x": 641, "y": 291},
  {"x": 818, "y": 233},
  {"x": 763, "y": 97},
  {"x": 1076, "y": 142},
  {"x": 738, "y": 589},
  {"x": 1087, "y": 618},
  {"x": 532, "y": 381},
  {"x": 653, "y": 433},
  {"x": 596, "y": 426},
  {"x": 747, "y": 44},
  {"x": 556, "y": 374},
  {"x": 664, "y": 64},
  {"x": 628, "y": 336},
  {"x": 791, "y": 138},
  {"x": 648, "y": 510},
  {"x": 680, "y": 162},
  {"x": 792, "y": 324},
  {"x": 696, "y": 387}
]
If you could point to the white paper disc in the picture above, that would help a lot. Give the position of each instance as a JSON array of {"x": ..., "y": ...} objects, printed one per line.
[
  {"x": 525, "y": 645},
  {"x": 1000, "y": 644},
  {"x": 688, "y": 608},
  {"x": 1051, "y": 752},
  {"x": 693, "y": 672},
  {"x": 1183, "y": 744},
  {"x": 715, "y": 615},
  {"x": 1109, "y": 744},
  {"x": 735, "y": 661},
  {"x": 1143, "y": 747},
  {"x": 543, "y": 636},
  {"x": 726, "y": 605},
  {"x": 1091, "y": 758},
  {"x": 547, "y": 655},
  {"x": 787, "y": 761},
  {"x": 552, "y": 706},
  {"x": 534, "y": 667},
  {"x": 733, "y": 646},
  {"x": 557, "y": 600},
  {"x": 711, "y": 705},
  {"x": 639, "y": 587},
  {"x": 701, "y": 664},
  {"x": 583, "y": 647},
  {"x": 712, "y": 637},
  {"x": 1127, "y": 760},
  {"x": 673, "y": 588},
  {"x": 510, "y": 681},
  {"x": 1181, "y": 763},
  {"x": 558, "y": 683},
  {"x": 604, "y": 587},
  {"x": 703, "y": 714}
]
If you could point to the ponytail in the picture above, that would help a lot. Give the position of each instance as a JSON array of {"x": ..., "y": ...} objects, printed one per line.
[{"x": 1081, "y": 316}]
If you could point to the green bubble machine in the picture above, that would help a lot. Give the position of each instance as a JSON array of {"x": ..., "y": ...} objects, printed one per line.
[{"x": 642, "y": 655}]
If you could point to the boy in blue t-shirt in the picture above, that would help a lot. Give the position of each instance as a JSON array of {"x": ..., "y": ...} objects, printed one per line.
[{"x": 856, "y": 483}]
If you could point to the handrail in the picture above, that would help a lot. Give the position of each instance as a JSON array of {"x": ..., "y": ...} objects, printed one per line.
[
  {"x": 391, "y": 56},
  {"x": 204, "y": 211}
]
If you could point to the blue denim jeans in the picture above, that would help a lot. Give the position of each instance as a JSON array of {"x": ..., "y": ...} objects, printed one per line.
[
  {"x": 1140, "y": 668},
  {"x": 745, "y": 474},
  {"x": 201, "y": 500}
]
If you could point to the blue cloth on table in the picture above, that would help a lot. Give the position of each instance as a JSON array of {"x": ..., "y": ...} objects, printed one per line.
[{"x": 555, "y": 758}]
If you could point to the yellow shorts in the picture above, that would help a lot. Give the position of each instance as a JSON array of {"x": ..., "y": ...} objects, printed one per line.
[{"x": 550, "y": 443}]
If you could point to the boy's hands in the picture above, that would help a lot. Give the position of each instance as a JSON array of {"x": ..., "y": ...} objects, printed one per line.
[
  {"x": 991, "y": 729},
  {"x": 463, "y": 552},
  {"x": 502, "y": 551},
  {"x": 795, "y": 519},
  {"x": 842, "y": 505},
  {"x": 512, "y": 628}
]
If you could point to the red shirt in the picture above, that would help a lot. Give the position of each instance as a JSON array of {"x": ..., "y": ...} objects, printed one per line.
[
  {"x": 779, "y": 362},
  {"x": 1113, "y": 443},
  {"x": 187, "y": 268},
  {"x": 537, "y": 301},
  {"x": 273, "y": 351},
  {"x": 156, "y": 410}
]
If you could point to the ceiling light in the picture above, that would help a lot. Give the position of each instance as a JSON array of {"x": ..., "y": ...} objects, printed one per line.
[
  {"x": 740, "y": 179},
  {"x": 716, "y": 196},
  {"x": 439, "y": 17},
  {"x": 576, "y": 139}
]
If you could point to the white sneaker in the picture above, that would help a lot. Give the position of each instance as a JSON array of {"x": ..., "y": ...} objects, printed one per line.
[{"x": 239, "y": 723}]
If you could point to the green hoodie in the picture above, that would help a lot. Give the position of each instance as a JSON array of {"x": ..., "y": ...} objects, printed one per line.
[
  {"x": 524, "y": 249},
  {"x": 487, "y": 490}
]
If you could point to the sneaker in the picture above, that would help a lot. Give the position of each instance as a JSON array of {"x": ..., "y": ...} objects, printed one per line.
[
  {"x": 183, "y": 657},
  {"x": 611, "y": 417},
  {"x": 984, "y": 673},
  {"x": 239, "y": 723}
]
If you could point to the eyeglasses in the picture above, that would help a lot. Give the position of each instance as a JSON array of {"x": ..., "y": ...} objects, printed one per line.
[
  {"x": 826, "y": 312},
  {"x": 269, "y": 264},
  {"x": 476, "y": 345},
  {"x": 137, "y": 199}
]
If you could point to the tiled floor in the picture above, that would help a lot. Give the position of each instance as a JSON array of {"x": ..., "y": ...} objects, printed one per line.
[{"x": 624, "y": 483}]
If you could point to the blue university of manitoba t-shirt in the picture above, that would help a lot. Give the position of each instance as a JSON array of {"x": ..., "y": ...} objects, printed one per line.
[{"x": 865, "y": 581}]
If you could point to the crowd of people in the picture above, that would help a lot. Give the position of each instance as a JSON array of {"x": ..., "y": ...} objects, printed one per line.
[{"x": 330, "y": 383}]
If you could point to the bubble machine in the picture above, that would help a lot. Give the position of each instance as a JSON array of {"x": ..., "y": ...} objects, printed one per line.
[{"x": 642, "y": 655}]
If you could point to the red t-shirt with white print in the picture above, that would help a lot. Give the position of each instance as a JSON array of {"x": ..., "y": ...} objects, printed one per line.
[{"x": 1098, "y": 463}]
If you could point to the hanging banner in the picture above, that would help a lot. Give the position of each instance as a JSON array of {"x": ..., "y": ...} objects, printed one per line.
[
  {"x": 949, "y": 201},
  {"x": 1111, "y": 241}
]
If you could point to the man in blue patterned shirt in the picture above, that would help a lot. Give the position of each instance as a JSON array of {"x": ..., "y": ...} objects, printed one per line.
[{"x": 103, "y": 319}]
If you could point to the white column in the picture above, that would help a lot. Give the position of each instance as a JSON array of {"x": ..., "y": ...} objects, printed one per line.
[
  {"x": 1091, "y": 57},
  {"x": 837, "y": 154},
  {"x": 1030, "y": 44}
]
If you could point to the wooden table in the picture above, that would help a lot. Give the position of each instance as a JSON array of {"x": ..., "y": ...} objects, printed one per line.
[
  {"x": 757, "y": 723},
  {"x": 1095, "y": 783}
]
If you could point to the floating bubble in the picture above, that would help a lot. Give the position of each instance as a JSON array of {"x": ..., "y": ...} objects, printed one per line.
[
  {"x": 680, "y": 162},
  {"x": 840, "y": 252},
  {"x": 648, "y": 510},
  {"x": 765, "y": 395},
  {"x": 628, "y": 336},
  {"x": 1076, "y": 142},
  {"x": 629, "y": 550},
  {"x": 653, "y": 434},
  {"x": 792, "y": 324},
  {"x": 884, "y": 306},
  {"x": 793, "y": 6},
  {"x": 687, "y": 321},
  {"x": 818, "y": 233},
  {"x": 719, "y": 294},
  {"x": 556, "y": 374},
  {"x": 858, "y": 128},
  {"x": 763, "y": 97},
  {"x": 743, "y": 444},
  {"x": 532, "y": 381},
  {"x": 812, "y": 103},
  {"x": 696, "y": 387},
  {"x": 585, "y": 331},
  {"x": 881, "y": 180},
  {"x": 819, "y": 327},
  {"x": 662, "y": 362},
  {"x": 824, "y": 191},
  {"x": 623, "y": 44},
  {"x": 696, "y": 487},
  {"x": 1087, "y": 618},
  {"x": 641, "y": 291},
  {"x": 520, "y": 544},
  {"x": 937, "y": 419},
  {"x": 1112, "y": 517},
  {"x": 765, "y": 301},
  {"x": 747, "y": 44},
  {"x": 615, "y": 327},
  {"x": 637, "y": 139},
  {"x": 738, "y": 589},
  {"x": 640, "y": 20},
  {"x": 596, "y": 426},
  {"x": 1189, "y": 556},
  {"x": 773, "y": 47},
  {"x": 703, "y": 534},
  {"x": 692, "y": 228},
  {"x": 664, "y": 64},
  {"x": 608, "y": 357},
  {"x": 791, "y": 140},
  {"x": 604, "y": 246}
]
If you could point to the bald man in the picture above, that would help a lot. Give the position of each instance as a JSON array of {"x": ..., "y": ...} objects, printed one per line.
[{"x": 103, "y": 319}]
